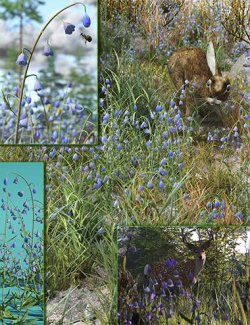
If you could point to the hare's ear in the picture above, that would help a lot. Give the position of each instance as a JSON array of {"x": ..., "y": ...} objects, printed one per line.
[{"x": 211, "y": 58}]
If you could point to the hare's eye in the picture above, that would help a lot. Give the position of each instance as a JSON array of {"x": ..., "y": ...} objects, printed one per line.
[
  {"x": 209, "y": 83},
  {"x": 228, "y": 87}
]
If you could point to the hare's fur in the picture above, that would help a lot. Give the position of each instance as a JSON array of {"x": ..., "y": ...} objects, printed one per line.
[{"x": 195, "y": 69}]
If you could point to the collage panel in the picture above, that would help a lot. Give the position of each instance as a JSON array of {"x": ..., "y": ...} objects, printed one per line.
[
  {"x": 49, "y": 72},
  {"x": 22, "y": 243},
  {"x": 175, "y": 110},
  {"x": 183, "y": 275}
]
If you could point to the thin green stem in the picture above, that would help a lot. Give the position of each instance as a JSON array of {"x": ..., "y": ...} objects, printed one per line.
[
  {"x": 45, "y": 115},
  {"x": 28, "y": 63},
  {"x": 4, "y": 256}
]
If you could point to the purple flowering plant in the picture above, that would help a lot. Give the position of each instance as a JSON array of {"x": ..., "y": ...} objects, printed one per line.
[{"x": 21, "y": 251}]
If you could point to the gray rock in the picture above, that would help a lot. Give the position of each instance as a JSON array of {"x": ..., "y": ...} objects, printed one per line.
[{"x": 76, "y": 306}]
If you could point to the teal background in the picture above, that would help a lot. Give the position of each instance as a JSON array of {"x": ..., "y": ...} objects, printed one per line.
[{"x": 33, "y": 172}]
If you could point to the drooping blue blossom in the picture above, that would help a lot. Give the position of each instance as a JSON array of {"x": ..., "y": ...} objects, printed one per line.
[
  {"x": 38, "y": 85},
  {"x": 147, "y": 269},
  {"x": 47, "y": 51},
  {"x": 86, "y": 21},
  {"x": 170, "y": 283},
  {"x": 28, "y": 100},
  {"x": 171, "y": 263},
  {"x": 68, "y": 28},
  {"x": 158, "y": 108},
  {"x": 150, "y": 184},
  {"x": 22, "y": 59},
  {"x": 24, "y": 120},
  {"x": 75, "y": 156},
  {"x": 70, "y": 84},
  {"x": 239, "y": 215},
  {"x": 216, "y": 204},
  {"x": 161, "y": 185}
]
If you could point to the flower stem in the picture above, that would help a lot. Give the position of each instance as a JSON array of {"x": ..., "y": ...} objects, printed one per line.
[
  {"x": 4, "y": 258},
  {"x": 28, "y": 63}
]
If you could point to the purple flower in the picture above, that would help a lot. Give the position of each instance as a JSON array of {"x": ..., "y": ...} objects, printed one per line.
[
  {"x": 24, "y": 120},
  {"x": 38, "y": 86},
  {"x": 171, "y": 263},
  {"x": 150, "y": 185},
  {"x": 22, "y": 59},
  {"x": 86, "y": 21},
  {"x": 47, "y": 51},
  {"x": 170, "y": 283},
  {"x": 198, "y": 319},
  {"x": 239, "y": 215},
  {"x": 147, "y": 269},
  {"x": 150, "y": 316},
  {"x": 28, "y": 99},
  {"x": 164, "y": 161},
  {"x": 170, "y": 154},
  {"x": 164, "y": 285},
  {"x": 216, "y": 204},
  {"x": 170, "y": 313},
  {"x": 172, "y": 103},
  {"x": 161, "y": 185},
  {"x": 178, "y": 284},
  {"x": 140, "y": 188},
  {"x": 68, "y": 28},
  {"x": 176, "y": 274},
  {"x": 158, "y": 108},
  {"x": 209, "y": 205},
  {"x": 190, "y": 276}
]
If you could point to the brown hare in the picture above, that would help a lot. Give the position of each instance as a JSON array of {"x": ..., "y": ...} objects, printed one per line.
[{"x": 198, "y": 72}]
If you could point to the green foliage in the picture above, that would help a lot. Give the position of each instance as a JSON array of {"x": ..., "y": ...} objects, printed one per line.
[{"x": 21, "y": 8}]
